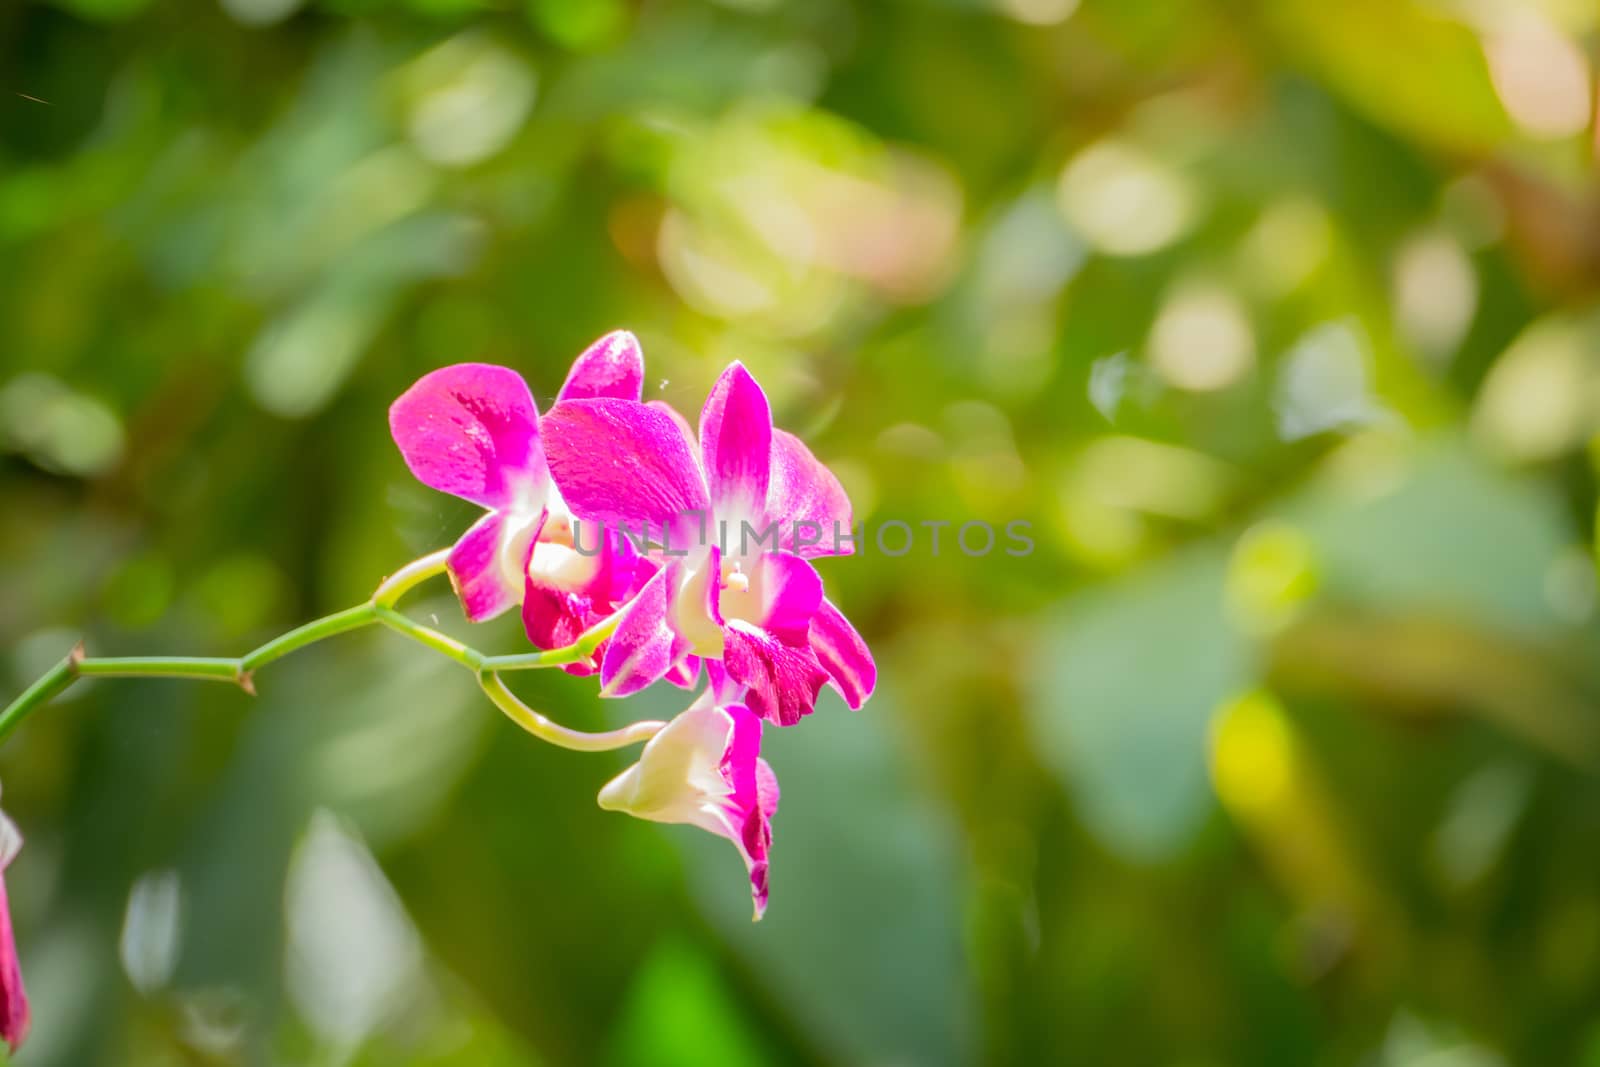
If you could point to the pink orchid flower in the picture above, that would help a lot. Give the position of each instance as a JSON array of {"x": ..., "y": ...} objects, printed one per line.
[
  {"x": 13, "y": 998},
  {"x": 737, "y": 518},
  {"x": 704, "y": 768},
  {"x": 472, "y": 430}
]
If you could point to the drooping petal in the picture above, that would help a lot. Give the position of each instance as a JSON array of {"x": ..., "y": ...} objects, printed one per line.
[
  {"x": 14, "y": 1013},
  {"x": 471, "y": 430},
  {"x": 753, "y": 801},
  {"x": 645, "y": 645},
  {"x": 766, "y": 789},
  {"x": 739, "y": 760},
  {"x": 619, "y": 462},
  {"x": 757, "y": 841},
  {"x": 13, "y": 997},
  {"x": 488, "y": 563},
  {"x": 736, "y": 444},
  {"x": 613, "y": 366},
  {"x": 843, "y": 654},
  {"x": 807, "y": 502},
  {"x": 783, "y": 679}
]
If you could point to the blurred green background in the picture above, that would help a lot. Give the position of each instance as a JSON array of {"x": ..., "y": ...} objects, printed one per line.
[{"x": 1276, "y": 320}]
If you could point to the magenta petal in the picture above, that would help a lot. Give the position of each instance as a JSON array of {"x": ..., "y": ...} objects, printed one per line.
[
  {"x": 783, "y": 679},
  {"x": 843, "y": 654},
  {"x": 645, "y": 646},
  {"x": 618, "y": 462},
  {"x": 721, "y": 685},
  {"x": 739, "y": 760},
  {"x": 13, "y": 998},
  {"x": 613, "y": 366},
  {"x": 553, "y": 617},
  {"x": 559, "y": 603},
  {"x": 488, "y": 563},
  {"x": 766, "y": 789},
  {"x": 679, "y": 421},
  {"x": 759, "y": 888},
  {"x": 791, "y": 593},
  {"x": 736, "y": 444},
  {"x": 806, "y": 501},
  {"x": 757, "y": 836},
  {"x": 685, "y": 674},
  {"x": 472, "y": 431},
  {"x": 782, "y": 594},
  {"x": 753, "y": 800}
]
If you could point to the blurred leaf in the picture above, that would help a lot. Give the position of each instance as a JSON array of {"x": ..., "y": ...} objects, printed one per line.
[
  {"x": 1409, "y": 68},
  {"x": 682, "y": 1014},
  {"x": 1124, "y": 688}
]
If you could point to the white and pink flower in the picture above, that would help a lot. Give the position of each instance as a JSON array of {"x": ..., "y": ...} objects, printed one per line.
[
  {"x": 472, "y": 430},
  {"x": 705, "y": 769},
  {"x": 758, "y": 609}
]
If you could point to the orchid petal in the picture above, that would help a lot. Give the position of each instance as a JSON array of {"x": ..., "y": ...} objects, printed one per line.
[
  {"x": 619, "y": 462},
  {"x": 685, "y": 674},
  {"x": 695, "y": 599},
  {"x": 552, "y": 616},
  {"x": 783, "y": 679},
  {"x": 613, "y": 367},
  {"x": 679, "y": 770},
  {"x": 843, "y": 654},
  {"x": 568, "y": 590},
  {"x": 754, "y": 799},
  {"x": 724, "y": 689},
  {"x": 806, "y": 501},
  {"x": 791, "y": 593},
  {"x": 780, "y": 595},
  {"x": 14, "y": 1014},
  {"x": 471, "y": 430},
  {"x": 644, "y": 646},
  {"x": 10, "y": 841},
  {"x": 680, "y": 422},
  {"x": 736, "y": 444},
  {"x": 487, "y": 564}
]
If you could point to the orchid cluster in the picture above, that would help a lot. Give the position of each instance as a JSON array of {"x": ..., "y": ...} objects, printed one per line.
[
  {"x": 636, "y": 548},
  {"x": 667, "y": 601}
]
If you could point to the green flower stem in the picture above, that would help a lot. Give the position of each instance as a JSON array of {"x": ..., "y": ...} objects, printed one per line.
[
  {"x": 312, "y": 632},
  {"x": 411, "y": 575},
  {"x": 54, "y": 682},
  {"x": 470, "y": 658},
  {"x": 216, "y": 670},
  {"x": 542, "y": 728},
  {"x": 380, "y": 609},
  {"x": 580, "y": 650}
]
